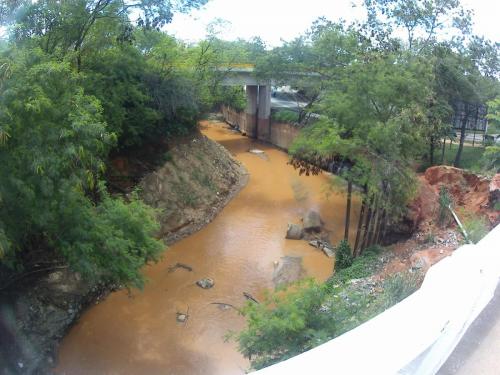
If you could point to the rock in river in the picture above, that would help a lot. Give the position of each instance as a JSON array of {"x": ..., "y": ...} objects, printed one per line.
[
  {"x": 312, "y": 222},
  {"x": 288, "y": 270},
  {"x": 205, "y": 283},
  {"x": 294, "y": 232}
]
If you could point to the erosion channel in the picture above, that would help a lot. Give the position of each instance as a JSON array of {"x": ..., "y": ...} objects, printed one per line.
[{"x": 140, "y": 332}]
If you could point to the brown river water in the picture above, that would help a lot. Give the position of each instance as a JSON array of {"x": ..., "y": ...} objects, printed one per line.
[{"x": 139, "y": 334}]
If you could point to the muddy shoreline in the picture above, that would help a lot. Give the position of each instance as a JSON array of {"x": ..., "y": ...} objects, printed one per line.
[{"x": 37, "y": 314}]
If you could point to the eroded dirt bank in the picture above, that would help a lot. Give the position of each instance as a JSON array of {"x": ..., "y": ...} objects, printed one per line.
[{"x": 173, "y": 326}]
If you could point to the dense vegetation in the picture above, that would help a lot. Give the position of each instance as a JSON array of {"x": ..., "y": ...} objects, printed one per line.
[{"x": 80, "y": 80}]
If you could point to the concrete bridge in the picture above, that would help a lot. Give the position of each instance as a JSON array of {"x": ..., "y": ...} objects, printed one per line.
[{"x": 256, "y": 119}]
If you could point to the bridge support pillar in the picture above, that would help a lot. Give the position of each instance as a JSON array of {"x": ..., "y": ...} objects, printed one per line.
[
  {"x": 250, "y": 126},
  {"x": 264, "y": 113}
]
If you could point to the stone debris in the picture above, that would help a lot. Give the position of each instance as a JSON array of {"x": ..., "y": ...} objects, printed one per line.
[
  {"x": 205, "y": 283},
  {"x": 294, "y": 232},
  {"x": 324, "y": 246},
  {"x": 181, "y": 317}
]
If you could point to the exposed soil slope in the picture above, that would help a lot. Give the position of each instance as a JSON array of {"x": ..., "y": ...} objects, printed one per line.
[
  {"x": 193, "y": 186},
  {"x": 430, "y": 242}
]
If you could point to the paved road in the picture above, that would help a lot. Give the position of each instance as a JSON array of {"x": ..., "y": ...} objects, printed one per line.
[
  {"x": 479, "y": 350},
  {"x": 285, "y": 103}
]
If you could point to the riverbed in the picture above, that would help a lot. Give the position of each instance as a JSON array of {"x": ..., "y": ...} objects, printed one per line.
[{"x": 137, "y": 332}]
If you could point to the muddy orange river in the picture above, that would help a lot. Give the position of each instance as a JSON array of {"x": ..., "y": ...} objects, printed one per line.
[{"x": 139, "y": 334}]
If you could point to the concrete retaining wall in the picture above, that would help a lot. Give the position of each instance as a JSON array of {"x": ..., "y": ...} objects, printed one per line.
[{"x": 279, "y": 134}]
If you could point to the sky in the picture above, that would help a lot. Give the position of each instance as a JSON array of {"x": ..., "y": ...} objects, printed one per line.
[{"x": 277, "y": 20}]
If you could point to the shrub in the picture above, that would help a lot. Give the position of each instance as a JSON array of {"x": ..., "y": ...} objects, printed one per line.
[
  {"x": 285, "y": 324},
  {"x": 286, "y": 116},
  {"x": 343, "y": 255},
  {"x": 444, "y": 204},
  {"x": 476, "y": 226},
  {"x": 491, "y": 159}
]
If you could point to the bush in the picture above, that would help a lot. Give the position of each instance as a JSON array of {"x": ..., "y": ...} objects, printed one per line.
[
  {"x": 491, "y": 159},
  {"x": 285, "y": 324},
  {"x": 399, "y": 286},
  {"x": 343, "y": 255},
  {"x": 476, "y": 226},
  {"x": 444, "y": 207},
  {"x": 286, "y": 116}
]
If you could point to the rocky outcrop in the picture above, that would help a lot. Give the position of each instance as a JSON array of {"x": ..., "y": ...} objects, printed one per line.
[
  {"x": 288, "y": 270},
  {"x": 35, "y": 317}
]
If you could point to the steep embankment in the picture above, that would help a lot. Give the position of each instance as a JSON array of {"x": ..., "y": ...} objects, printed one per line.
[
  {"x": 198, "y": 179},
  {"x": 432, "y": 241},
  {"x": 191, "y": 188}
]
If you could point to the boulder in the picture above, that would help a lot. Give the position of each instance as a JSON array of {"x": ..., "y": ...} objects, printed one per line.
[
  {"x": 205, "y": 283},
  {"x": 294, "y": 232},
  {"x": 288, "y": 270},
  {"x": 312, "y": 221}
]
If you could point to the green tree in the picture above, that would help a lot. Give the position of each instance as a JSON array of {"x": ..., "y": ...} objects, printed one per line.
[{"x": 52, "y": 197}]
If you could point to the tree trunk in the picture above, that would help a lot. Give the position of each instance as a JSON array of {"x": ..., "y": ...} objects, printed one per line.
[
  {"x": 348, "y": 210},
  {"x": 431, "y": 151},
  {"x": 366, "y": 227},
  {"x": 381, "y": 227},
  {"x": 443, "y": 150},
  {"x": 376, "y": 220},
  {"x": 456, "y": 163},
  {"x": 360, "y": 223}
]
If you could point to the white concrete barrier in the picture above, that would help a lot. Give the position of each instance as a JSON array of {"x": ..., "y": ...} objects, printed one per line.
[{"x": 417, "y": 335}]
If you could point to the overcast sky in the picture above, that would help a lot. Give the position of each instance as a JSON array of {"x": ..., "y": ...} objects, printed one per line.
[{"x": 274, "y": 20}]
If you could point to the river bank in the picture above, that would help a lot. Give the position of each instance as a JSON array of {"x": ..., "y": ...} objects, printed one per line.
[{"x": 37, "y": 312}]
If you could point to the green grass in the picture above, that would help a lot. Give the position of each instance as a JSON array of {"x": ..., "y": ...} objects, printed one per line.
[
  {"x": 493, "y": 129},
  {"x": 470, "y": 156}
]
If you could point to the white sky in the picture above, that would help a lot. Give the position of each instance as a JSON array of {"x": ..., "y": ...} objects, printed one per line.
[{"x": 274, "y": 20}]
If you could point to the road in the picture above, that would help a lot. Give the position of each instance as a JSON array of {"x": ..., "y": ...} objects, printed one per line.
[{"x": 479, "y": 349}]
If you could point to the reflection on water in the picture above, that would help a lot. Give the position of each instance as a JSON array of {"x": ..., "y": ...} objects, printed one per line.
[{"x": 139, "y": 333}]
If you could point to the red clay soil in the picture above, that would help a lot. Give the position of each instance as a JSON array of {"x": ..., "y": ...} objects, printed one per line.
[{"x": 430, "y": 243}]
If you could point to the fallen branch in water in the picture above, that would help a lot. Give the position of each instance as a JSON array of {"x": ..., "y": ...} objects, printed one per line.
[
  {"x": 227, "y": 305},
  {"x": 249, "y": 297},
  {"x": 180, "y": 265}
]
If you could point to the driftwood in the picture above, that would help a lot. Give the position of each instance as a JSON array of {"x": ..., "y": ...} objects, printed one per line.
[
  {"x": 180, "y": 265},
  {"x": 249, "y": 297},
  {"x": 227, "y": 305}
]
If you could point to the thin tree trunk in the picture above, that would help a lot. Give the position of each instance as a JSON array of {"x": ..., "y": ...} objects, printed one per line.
[
  {"x": 431, "y": 151},
  {"x": 348, "y": 210},
  {"x": 456, "y": 164},
  {"x": 374, "y": 227},
  {"x": 366, "y": 227},
  {"x": 443, "y": 150},
  {"x": 360, "y": 224},
  {"x": 380, "y": 227}
]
